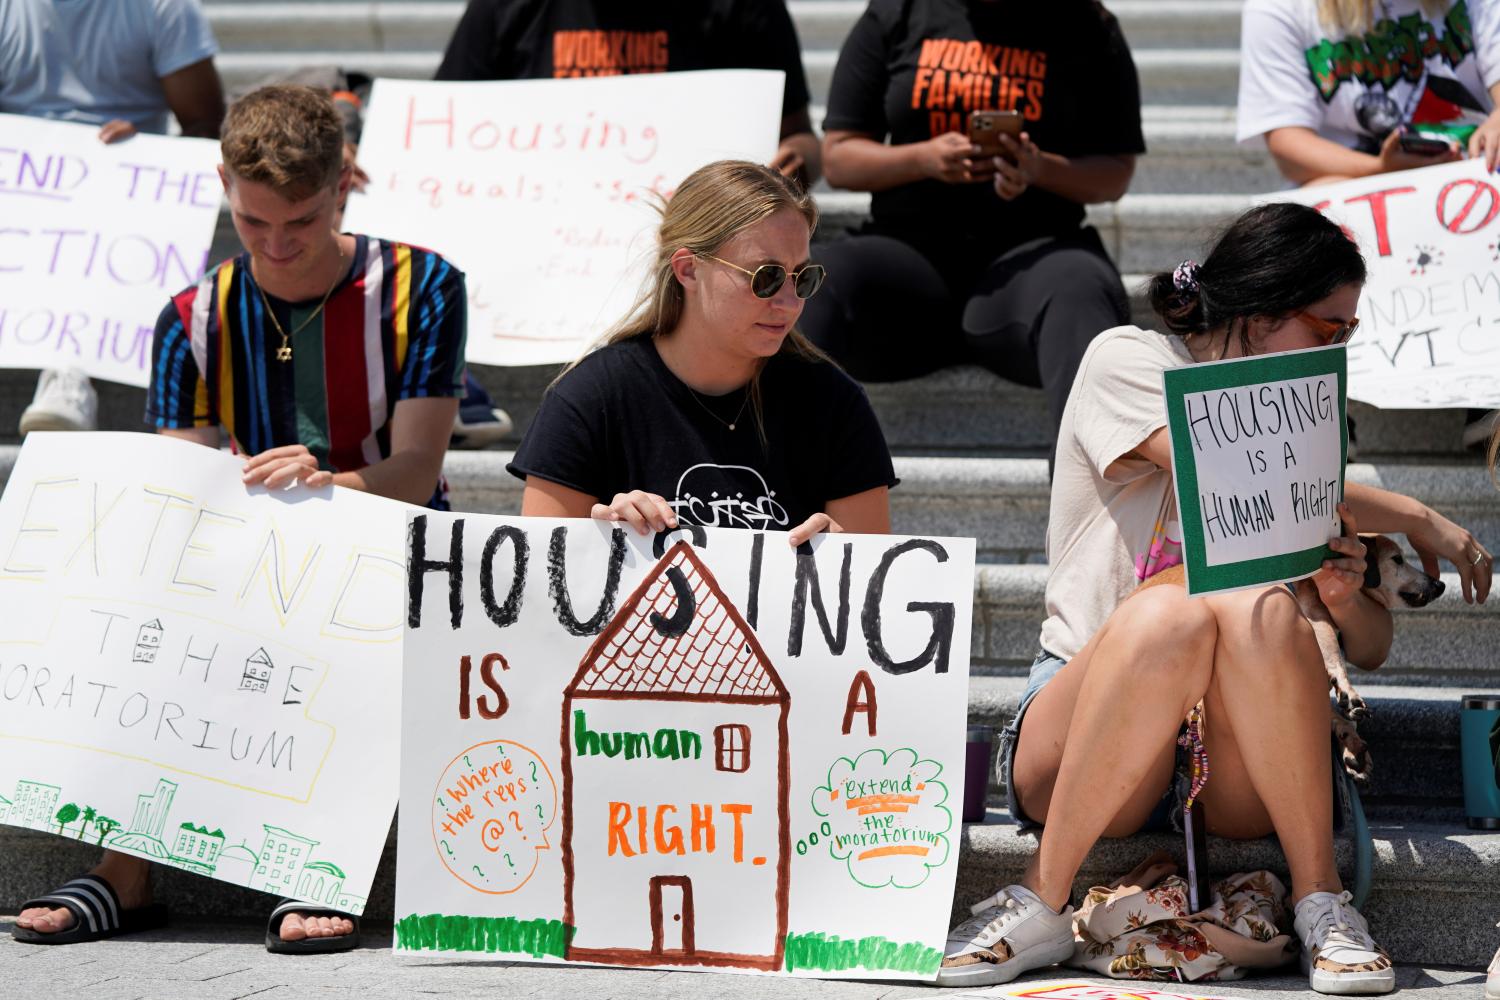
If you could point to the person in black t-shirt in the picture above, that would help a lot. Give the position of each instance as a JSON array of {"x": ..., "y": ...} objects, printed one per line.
[
  {"x": 968, "y": 259},
  {"x": 705, "y": 406},
  {"x": 538, "y": 39}
]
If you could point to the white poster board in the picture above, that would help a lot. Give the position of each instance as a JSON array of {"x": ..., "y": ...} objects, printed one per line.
[
  {"x": 1429, "y": 318},
  {"x": 1258, "y": 453},
  {"x": 704, "y": 752},
  {"x": 94, "y": 239},
  {"x": 197, "y": 674},
  {"x": 542, "y": 191}
]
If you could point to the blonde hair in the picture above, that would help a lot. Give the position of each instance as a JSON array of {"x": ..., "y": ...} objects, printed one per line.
[
  {"x": 288, "y": 137},
  {"x": 1355, "y": 17},
  {"x": 1494, "y": 454},
  {"x": 713, "y": 205}
]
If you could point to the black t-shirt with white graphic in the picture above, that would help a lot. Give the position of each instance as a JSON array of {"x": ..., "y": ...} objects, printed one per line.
[
  {"x": 539, "y": 39},
  {"x": 622, "y": 421},
  {"x": 912, "y": 70}
]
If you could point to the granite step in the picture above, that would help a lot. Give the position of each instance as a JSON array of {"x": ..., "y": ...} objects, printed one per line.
[
  {"x": 1448, "y": 642},
  {"x": 1167, "y": 75},
  {"x": 1433, "y": 895},
  {"x": 1413, "y": 733},
  {"x": 1000, "y": 502},
  {"x": 403, "y": 25}
]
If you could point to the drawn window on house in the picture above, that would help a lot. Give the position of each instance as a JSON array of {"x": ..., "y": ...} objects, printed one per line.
[{"x": 732, "y": 748}]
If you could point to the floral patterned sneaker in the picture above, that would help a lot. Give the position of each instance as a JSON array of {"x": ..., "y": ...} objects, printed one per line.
[
  {"x": 1338, "y": 954},
  {"x": 1010, "y": 933}
]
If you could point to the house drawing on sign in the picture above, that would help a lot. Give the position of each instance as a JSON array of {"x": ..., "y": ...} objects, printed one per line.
[
  {"x": 281, "y": 859},
  {"x": 34, "y": 805},
  {"x": 322, "y": 881},
  {"x": 197, "y": 849},
  {"x": 149, "y": 822},
  {"x": 236, "y": 864},
  {"x": 147, "y": 642},
  {"x": 257, "y": 675},
  {"x": 676, "y": 843}
]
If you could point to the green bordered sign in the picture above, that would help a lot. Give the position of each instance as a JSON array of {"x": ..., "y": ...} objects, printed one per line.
[{"x": 1258, "y": 452}]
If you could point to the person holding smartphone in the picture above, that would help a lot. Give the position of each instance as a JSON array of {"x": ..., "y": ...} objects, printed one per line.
[
  {"x": 967, "y": 257},
  {"x": 1339, "y": 89}
]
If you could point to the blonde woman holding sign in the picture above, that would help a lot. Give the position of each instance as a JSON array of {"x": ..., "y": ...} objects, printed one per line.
[
  {"x": 705, "y": 406},
  {"x": 1091, "y": 750}
]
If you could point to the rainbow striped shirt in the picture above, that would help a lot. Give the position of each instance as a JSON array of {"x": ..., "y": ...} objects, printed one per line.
[{"x": 393, "y": 329}]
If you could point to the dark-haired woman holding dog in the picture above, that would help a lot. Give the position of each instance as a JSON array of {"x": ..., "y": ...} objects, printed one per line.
[{"x": 1091, "y": 750}]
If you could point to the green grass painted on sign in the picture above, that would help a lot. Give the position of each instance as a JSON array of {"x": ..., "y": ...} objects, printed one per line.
[
  {"x": 828, "y": 953},
  {"x": 497, "y": 935}
]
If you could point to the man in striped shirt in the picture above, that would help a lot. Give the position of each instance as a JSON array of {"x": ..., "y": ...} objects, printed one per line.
[{"x": 326, "y": 357}]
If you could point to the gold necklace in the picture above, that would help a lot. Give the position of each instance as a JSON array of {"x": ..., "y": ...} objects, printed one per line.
[
  {"x": 284, "y": 352},
  {"x": 727, "y": 423}
]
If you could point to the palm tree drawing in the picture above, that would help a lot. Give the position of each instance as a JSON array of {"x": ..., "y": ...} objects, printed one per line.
[
  {"x": 66, "y": 815},
  {"x": 89, "y": 815},
  {"x": 106, "y": 827}
]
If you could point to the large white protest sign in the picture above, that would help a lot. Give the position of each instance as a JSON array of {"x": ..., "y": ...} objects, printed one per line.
[
  {"x": 1429, "y": 318},
  {"x": 198, "y": 674},
  {"x": 704, "y": 751},
  {"x": 1258, "y": 453},
  {"x": 94, "y": 238},
  {"x": 542, "y": 191}
]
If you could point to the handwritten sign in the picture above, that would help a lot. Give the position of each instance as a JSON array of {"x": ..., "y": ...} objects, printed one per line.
[
  {"x": 197, "y": 674},
  {"x": 1429, "y": 318},
  {"x": 1258, "y": 453},
  {"x": 93, "y": 241},
  {"x": 543, "y": 190},
  {"x": 702, "y": 751}
]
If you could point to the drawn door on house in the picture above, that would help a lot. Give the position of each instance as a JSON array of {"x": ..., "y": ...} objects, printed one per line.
[{"x": 672, "y": 915}]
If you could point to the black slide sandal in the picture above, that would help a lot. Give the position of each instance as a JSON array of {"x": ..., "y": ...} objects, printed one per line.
[
  {"x": 308, "y": 946},
  {"x": 96, "y": 914}
]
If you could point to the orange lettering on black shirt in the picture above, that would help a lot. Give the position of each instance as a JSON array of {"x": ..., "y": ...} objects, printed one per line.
[
  {"x": 608, "y": 53},
  {"x": 956, "y": 76}
]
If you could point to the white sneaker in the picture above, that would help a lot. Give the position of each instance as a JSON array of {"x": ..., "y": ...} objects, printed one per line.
[
  {"x": 65, "y": 401},
  {"x": 1010, "y": 933},
  {"x": 480, "y": 428},
  {"x": 1492, "y": 978},
  {"x": 1338, "y": 953}
]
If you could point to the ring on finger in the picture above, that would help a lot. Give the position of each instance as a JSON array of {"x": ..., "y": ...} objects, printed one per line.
[{"x": 1479, "y": 556}]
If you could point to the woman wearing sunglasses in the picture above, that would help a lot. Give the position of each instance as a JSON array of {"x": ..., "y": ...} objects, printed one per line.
[
  {"x": 704, "y": 405},
  {"x": 1090, "y": 752}
]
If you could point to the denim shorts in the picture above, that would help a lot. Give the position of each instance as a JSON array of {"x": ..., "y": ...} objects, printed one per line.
[{"x": 1168, "y": 812}]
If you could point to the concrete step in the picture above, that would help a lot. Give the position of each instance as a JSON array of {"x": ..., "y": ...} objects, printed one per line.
[
  {"x": 1168, "y": 76},
  {"x": 1412, "y": 732},
  {"x": 956, "y": 411},
  {"x": 1432, "y": 902},
  {"x": 1433, "y": 892},
  {"x": 362, "y": 25},
  {"x": 1449, "y": 642}
]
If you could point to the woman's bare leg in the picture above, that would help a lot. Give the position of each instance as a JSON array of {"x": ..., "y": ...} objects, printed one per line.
[
  {"x": 1096, "y": 743},
  {"x": 1266, "y": 721}
]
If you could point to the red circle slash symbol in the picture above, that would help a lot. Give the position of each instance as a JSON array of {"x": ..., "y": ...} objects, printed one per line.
[{"x": 1471, "y": 198}]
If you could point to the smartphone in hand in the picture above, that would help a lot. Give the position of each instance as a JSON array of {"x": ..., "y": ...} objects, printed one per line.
[
  {"x": 1422, "y": 145},
  {"x": 986, "y": 127}
]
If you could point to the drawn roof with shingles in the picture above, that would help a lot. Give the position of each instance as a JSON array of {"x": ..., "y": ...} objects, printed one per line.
[{"x": 716, "y": 656}]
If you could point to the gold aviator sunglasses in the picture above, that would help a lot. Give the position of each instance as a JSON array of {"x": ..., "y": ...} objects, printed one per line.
[{"x": 766, "y": 280}]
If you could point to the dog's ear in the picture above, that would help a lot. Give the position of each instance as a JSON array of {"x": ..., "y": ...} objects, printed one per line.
[{"x": 1372, "y": 563}]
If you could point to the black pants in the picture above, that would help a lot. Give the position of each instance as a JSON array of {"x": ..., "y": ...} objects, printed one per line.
[{"x": 889, "y": 311}]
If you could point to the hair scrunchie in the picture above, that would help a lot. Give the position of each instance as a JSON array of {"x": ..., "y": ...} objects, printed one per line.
[{"x": 1185, "y": 276}]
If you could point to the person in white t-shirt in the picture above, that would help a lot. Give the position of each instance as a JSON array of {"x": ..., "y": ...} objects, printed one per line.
[
  {"x": 126, "y": 66},
  {"x": 1340, "y": 89},
  {"x": 1333, "y": 85},
  {"x": 1091, "y": 750}
]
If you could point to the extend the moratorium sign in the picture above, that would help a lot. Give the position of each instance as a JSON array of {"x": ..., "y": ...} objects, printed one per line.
[{"x": 1258, "y": 453}]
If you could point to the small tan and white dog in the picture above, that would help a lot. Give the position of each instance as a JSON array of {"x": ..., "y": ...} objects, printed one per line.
[{"x": 1392, "y": 582}]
